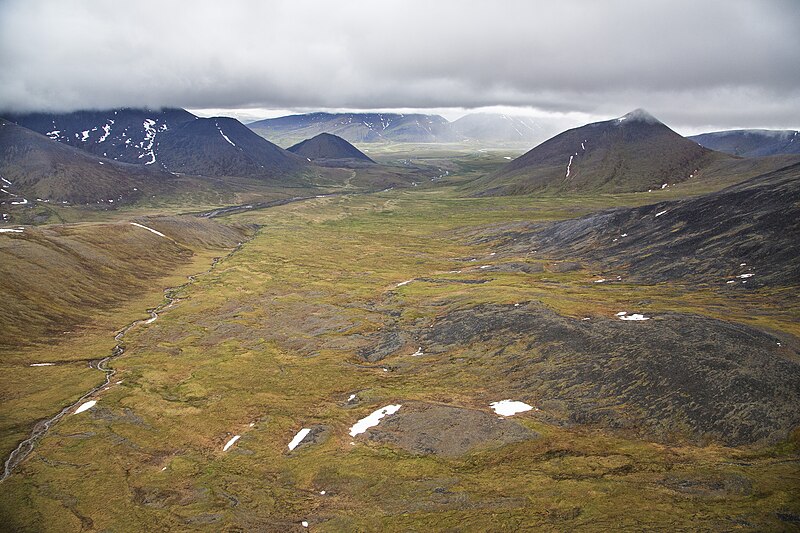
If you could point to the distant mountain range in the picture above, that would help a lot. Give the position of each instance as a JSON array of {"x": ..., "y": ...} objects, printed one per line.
[
  {"x": 326, "y": 148},
  {"x": 496, "y": 128},
  {"x": 169, "y": 139},
  {"x": 751, "y": 143},
  {"x": 397, "y": 127}
]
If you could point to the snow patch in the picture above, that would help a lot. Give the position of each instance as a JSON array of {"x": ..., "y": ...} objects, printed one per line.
[
  {"x": 404, "y": 283},
  {"x": 151, "y": 230},
  {"x": 10, "y": 230},
  {"x": 85, "y": 406},
  {"x": 299, "y": 438},
  {"x": 660, "y": 213},
  {"x": 231, "y": 442},
  {"x": 635, "y": 316},
  {"x": 373, "y": 419},
  {"x": 106, "y": 132},
  {"x": 509, "y": 407},
  {"x": 224, "y": 136},
  {"x": 149, "y": 138},
  {"x": 418, "y": 352},
  {"x": 42, "y": 364},
  {"x": 744, "y": 276}
]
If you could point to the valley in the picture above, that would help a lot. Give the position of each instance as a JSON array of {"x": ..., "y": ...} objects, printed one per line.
[
  {"x": 453, "y": 266},
  {"x": 389, "y": 341},
  {"x": 340, "y": 305}
]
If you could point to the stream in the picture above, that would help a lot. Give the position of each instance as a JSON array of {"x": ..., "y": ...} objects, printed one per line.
[{"x": 41, "y": 428}]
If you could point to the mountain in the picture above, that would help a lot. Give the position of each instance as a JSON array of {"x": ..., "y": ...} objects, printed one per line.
[
  {"x": 33, "y": 166},
  {"x": 491, "y": 128},
  {"x": 328, "y": 148},
  {"x": 170, "y": 139},
  {"x": 751, "y": 143},
  {"x": 223, "y": 147},
  {"x": 126, "y": 135},
  {"x": 355, "y": 127},
  {"x": 635, "y": 152}
]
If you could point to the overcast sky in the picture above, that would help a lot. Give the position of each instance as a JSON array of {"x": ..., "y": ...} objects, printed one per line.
[{"x": 694, "y": 64}]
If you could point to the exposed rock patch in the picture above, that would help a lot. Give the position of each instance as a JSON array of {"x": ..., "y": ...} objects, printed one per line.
[
  {"x": 446, "y": 430},
  {"x": 673, "y": 376}
]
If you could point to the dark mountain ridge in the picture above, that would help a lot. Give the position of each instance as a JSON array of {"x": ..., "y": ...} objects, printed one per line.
[
  {"x": 751, "y": 143},
  {"x": 33, "y": 166},
  {"x": 170, "y": 139}
]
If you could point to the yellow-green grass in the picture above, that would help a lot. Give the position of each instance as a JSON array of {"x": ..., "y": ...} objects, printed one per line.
[{"x": 270, "y": 337}]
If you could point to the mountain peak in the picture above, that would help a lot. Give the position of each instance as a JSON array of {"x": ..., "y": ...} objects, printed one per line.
[
  {"x": 328, "y": 147},
  {"x": 638, "y": 115}
]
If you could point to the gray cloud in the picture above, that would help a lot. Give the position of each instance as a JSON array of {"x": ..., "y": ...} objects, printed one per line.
[{"x": 726, "y": 63}]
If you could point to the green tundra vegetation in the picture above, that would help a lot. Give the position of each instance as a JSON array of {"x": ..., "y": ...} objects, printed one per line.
[{"x": 335, "y": 307}]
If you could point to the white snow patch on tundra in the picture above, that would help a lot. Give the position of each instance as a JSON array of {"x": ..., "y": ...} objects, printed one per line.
[
  {"x": 85, "y": 406},
  {"x": 151, "y": 230},
  {"x": 373, "y": 419},
  {"x": 299, "y": 438},
  {"x": 509, "y": 407},
  {"x": 231, "y": 442}
]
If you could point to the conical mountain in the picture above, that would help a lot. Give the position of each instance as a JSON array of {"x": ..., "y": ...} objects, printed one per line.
[
  {"x": 329, "y": 148},
  {"x": 635, "y": 152}
]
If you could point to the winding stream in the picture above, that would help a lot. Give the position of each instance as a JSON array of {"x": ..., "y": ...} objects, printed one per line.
[{"x": 41, "y": 428}]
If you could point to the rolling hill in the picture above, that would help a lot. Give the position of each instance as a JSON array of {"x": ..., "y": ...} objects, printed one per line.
[
  {"x": 326, "y": 148},
  {"x": 169, "y": 139},
  {"x": 751, "y": 143}
]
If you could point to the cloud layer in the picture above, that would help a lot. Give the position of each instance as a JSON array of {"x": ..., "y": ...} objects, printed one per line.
[{"x": 730, "y": 63}]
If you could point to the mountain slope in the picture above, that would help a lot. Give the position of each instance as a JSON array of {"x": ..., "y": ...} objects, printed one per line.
[
  {"x": 125, "y": 135},
  {"x": 223, "y": 147},
  {"x": 355, "y": 127},
  {"x": 635, "y": 152},
  {"x": 745, "y": 236},
  {"x": 33, "y": 166},
  {"x": 751, "y": 143},
  {"x": 170, "y": 139},
  {"x": 326, "y": 147}
]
